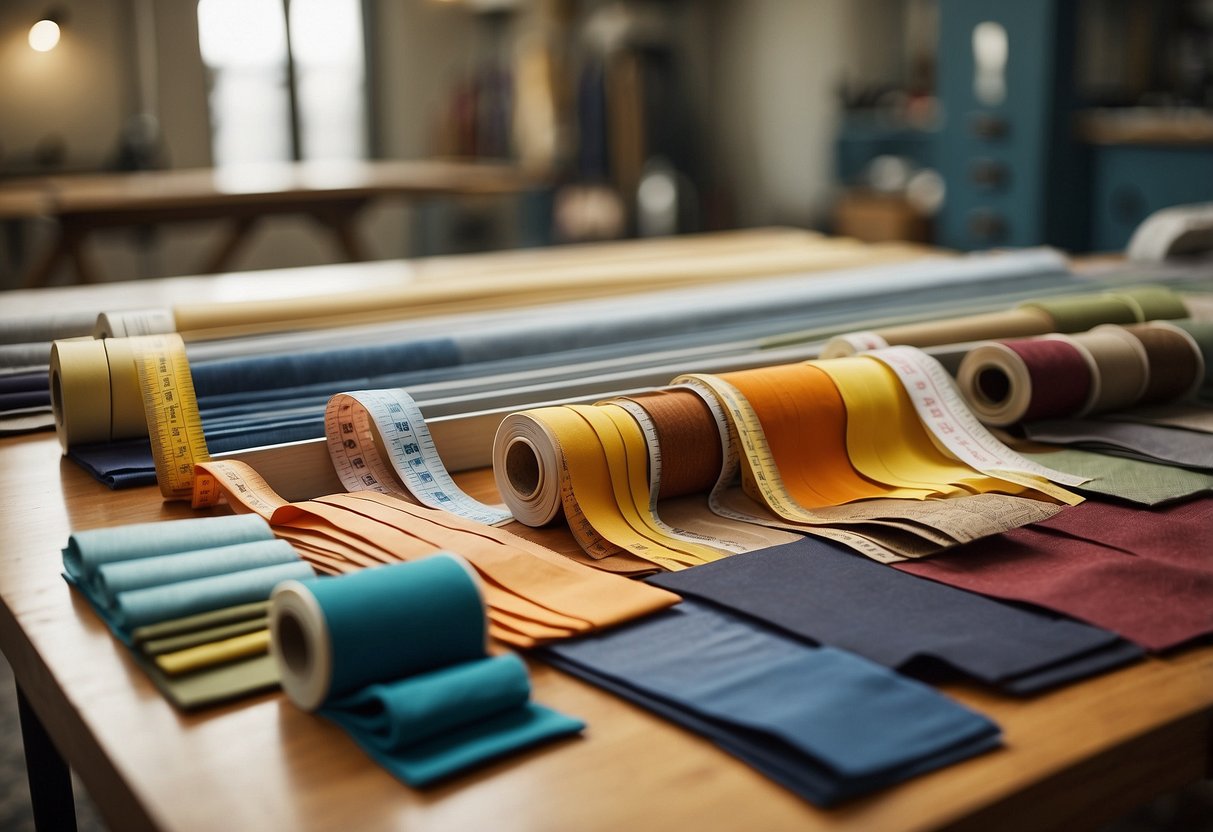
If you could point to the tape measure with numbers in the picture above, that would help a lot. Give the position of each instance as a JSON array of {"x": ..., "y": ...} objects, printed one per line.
[
  {"x": 173, "y": 423},
  {"x": 378, "y": 441}
]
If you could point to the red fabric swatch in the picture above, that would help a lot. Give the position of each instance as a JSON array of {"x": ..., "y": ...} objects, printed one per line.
[{"x": 1147, "y": 575}]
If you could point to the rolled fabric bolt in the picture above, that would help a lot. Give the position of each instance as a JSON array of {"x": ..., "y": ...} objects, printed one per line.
[
  {"x": 1177, "y": 367},
  {"x": 1120, "y": 367},
  {"x": 1078, "y": 313},
  {"x": 1013, "y": 381},
  {"x": 1011, "y": 323},
  {"x": 396, "y": 656},
  {"x": 332, "y": 637},
  {"x": 1202, "y": 335}
]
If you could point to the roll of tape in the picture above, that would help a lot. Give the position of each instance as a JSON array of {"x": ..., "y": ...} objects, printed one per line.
[
  {"x": 80, "y": 391},
  {"x": 332, "y": 636}
]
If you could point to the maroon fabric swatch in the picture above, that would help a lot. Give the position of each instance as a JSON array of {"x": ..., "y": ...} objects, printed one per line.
[{"x": 1147, "y": 575}]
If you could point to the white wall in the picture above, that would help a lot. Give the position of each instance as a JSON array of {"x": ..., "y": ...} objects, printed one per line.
[{"x": 774, "y": 110}]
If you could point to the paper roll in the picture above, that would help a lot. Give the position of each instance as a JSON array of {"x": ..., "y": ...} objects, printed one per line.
[
  {"x": 527, "y": 469},
  {"x": 332, "y": 636}
]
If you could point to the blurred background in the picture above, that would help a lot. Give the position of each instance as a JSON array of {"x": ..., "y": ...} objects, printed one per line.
[{"x": 962, "y": 123}]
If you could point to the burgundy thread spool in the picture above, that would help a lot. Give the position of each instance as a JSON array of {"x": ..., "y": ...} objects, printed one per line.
[{"x": 1006, "y": 382}]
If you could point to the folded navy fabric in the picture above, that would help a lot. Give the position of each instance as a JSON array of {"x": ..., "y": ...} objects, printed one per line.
[
  {"x": 825, "y": 723},
  {"x": 820, "y": 592}
]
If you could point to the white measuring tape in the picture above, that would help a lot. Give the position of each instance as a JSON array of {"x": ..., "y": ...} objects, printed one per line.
[
  {"x": 952, "y": 424},
  {"x": 353, "y": 421}
]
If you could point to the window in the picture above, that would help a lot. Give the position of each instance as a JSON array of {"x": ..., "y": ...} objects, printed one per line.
[{"x": 288, "y": 79}]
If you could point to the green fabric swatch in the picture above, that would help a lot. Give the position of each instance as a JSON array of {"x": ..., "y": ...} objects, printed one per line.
[{"x": 1146, "y": 483}]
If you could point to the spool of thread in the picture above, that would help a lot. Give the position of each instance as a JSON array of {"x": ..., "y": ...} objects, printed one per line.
[
  {"x": 1175, "y": 361},
  {"x": 331, "y": 637},
  {"x": 1014, "y": 381},
  {"x": 1120, "y": 367},
  {"x": 688, "y": 440}
]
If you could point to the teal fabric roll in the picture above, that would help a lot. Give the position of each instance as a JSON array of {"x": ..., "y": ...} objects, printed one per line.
[
  {"x": 86, "y": 551},
  {"x": 396, "y": 656},
  {"x": 127, "y": 575}
]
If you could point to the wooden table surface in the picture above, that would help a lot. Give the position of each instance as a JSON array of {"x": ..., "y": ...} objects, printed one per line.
[
  {"x": 332, "y": 193},
  {"x": 1073, "y": 758},
  {"x": 250, "y": 184}
]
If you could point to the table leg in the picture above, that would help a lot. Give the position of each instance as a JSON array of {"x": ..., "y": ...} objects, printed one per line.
[
  {"x": 236, "y": 236},
  {"x": 40, "y": 273},
  {"x": 340, "y": 218},
  {"x": 50, "y": 780},
  {"x": 74, "y": 236}
]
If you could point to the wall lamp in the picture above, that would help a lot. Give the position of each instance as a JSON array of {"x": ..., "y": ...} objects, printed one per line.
[{"x": 44, "y": 35}]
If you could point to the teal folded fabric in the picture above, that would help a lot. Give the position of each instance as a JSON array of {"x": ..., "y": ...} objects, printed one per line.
[
  {"x": 141, "y": 607},
  {"x": 86, "y": 551},
  {"x": 128, "y": 575},
  {"x": 181, "y": 582},
  {"x": 396, "y": 656},
  {"x": 431, "y": 726}
]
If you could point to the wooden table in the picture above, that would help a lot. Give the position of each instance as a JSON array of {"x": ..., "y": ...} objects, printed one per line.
[
  {"x": 1074, "y": 758},
  {"x": 332, "y": 193}
]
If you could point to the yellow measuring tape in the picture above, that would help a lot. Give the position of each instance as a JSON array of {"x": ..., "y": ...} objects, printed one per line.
[{"x": 173, "y": 423}]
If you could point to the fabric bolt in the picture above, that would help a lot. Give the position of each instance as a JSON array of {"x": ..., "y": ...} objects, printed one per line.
[
  {"x": 1138, "y": 481},
  {"x": 818, "y": 591},
  {"x": 1144, "y": 575},
  {"x": 265, "y": 399},
  {"x": 822, "y": 722},
  {"x": 1202, "y": 334},
  {"x": 396, "y": 656}
]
